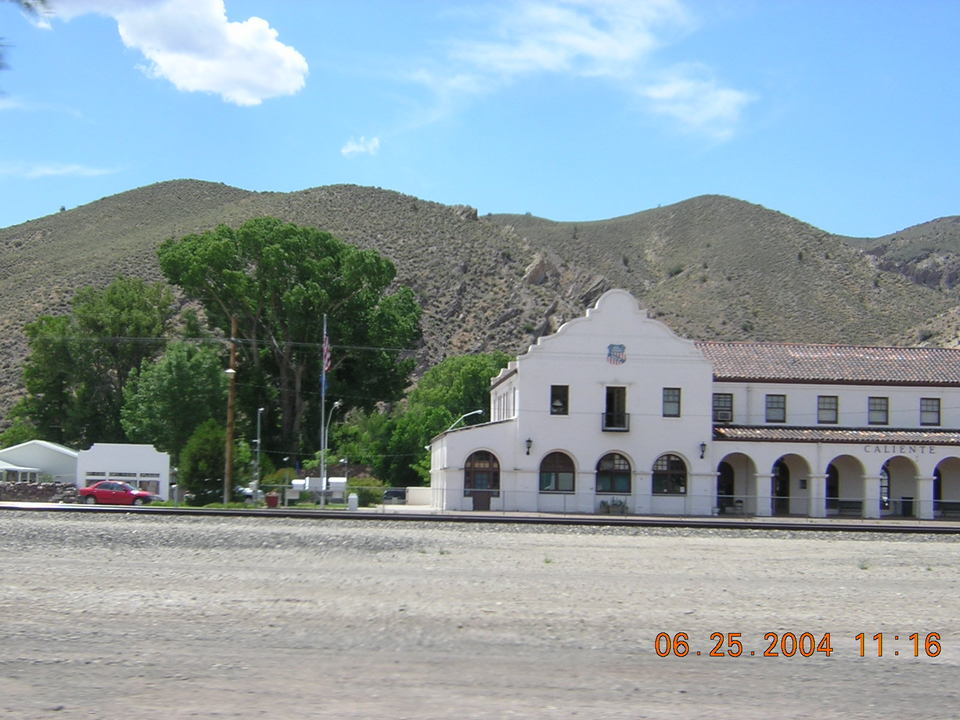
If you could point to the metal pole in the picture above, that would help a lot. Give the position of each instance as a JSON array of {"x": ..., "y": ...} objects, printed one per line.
[
  {"x": 231, "y": 396},
  {"x": 323, "y": 412},
  {"x": 256, "y": 479},
  {"x": 323, "y": 449}
]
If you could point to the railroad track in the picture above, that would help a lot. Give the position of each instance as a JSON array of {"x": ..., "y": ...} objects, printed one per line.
[{"x": 939, "y": 527}]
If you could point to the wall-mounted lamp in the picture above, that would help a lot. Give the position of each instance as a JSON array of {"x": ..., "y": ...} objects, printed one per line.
[
  {"x": 703, "y": 450},
  {"x": 528, "y": 443}
]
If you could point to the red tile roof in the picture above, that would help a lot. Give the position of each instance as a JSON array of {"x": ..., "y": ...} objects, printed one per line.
[
  {"x": 848, "y": 364},
  {"x": 869, "y": 436}
]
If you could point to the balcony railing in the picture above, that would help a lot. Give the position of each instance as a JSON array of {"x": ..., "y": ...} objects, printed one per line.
[{"x": 615, "y": 422}]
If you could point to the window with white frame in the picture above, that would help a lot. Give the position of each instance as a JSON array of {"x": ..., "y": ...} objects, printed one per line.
[
  {"x": 615, "y": 416},
  {"x": 671, "y": 402},
  {"x": 559, "y": 399},
  {"x": 929, "y": 411},
  {"x": 723, "y": 407},
  {"x": 669, "y": 476},
  {"x": 557, "y": 473},
  {"x": 613, "y": 474},
  {"x": 776, "y": 408},
  {"x": 827, "y": 409},
  {"x": 878, "y": 410}
]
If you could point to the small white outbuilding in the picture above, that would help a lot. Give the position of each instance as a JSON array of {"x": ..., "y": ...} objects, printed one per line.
[
  {"x": 142, "y": 466},
  {"x": 38, "y": 460}
]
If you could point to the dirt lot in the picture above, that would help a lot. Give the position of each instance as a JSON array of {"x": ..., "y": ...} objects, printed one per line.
[{"x": 138, "y": 617}]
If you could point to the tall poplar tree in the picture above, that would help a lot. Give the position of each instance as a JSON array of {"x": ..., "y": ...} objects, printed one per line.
[{"x": 279, "y": 280}]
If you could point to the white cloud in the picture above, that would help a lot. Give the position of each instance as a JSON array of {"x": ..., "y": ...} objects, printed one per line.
[
  {"x": 192, "y": 44},
  {"x": 33, "y": 172},
  {"x": 612, "y": 40},
  {"x": 7, "y": 103},
  {"x": 691, "y": 95},
  {"x": 361, "y": 146},
  {"x": 584, "y": 37}
]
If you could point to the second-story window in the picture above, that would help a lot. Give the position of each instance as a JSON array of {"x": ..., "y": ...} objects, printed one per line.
[
  {"x": 929, "y": 411},
  {"x": 723, "y": 407},
  {"x": 615, "y": 411},
  {"x": 559, "y": 399},
  {"x": 671, "y": 402},
  {"x": 827, "y": 409},
  {"x": 776, "y": 408},
  {"x": 878, "y": 410}
]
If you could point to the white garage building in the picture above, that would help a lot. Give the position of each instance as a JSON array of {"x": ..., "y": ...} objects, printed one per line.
[{"x": 615, "y": 413}]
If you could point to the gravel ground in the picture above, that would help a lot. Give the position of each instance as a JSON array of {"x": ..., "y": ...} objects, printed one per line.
[{"x": 136, "y": 617}]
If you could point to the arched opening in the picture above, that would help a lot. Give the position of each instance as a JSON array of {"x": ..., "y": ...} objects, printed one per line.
[
  {"x": 669, "y": 475},
  {"x": 789, "y": 486},
  {"x": 885, "y": 486},
  {"x": 832, "y": 489},
  {"x": 937, "y": 489},
  {"x": 557, "y": 473},
  {"x": 898, "y": 487},
  {"x": 481, "y": 478},
  {"x": 946, "y": 488},
  {"x": 844, "y": 486},
  {"x": 613, "y": 474},
  {"x": 744, "y": 472},
  {"x": 726, "y": 486},
  {"x": 780, "y": 488}
]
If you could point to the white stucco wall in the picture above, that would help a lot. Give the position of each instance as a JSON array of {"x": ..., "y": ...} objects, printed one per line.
[
  {"x": 130, "y": 463},
  {"x": 577, "y": 356},
  {"x": 749, "y": 403},
  {"x": 49, "y": 458},
  {"x": 654, "y": 358}
]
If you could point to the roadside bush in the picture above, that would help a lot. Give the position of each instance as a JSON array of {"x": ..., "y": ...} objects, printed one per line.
[{"x": 369, "y": 490}]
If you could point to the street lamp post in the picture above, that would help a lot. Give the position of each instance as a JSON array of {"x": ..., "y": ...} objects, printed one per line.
[
  {"x": 256, "y": 478},
  {"x": 463, "y": 417},
  {"x": 323, "y": 453},
  {"x": 231, "y": 396}
]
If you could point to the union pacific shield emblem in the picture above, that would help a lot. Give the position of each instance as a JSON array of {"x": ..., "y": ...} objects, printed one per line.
[{"x": 616, "y": 354}]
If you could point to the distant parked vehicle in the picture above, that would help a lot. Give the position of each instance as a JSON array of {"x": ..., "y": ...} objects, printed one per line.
[
  {"x": 111, "y": 492},
  {"x": 396, "y": 496}
]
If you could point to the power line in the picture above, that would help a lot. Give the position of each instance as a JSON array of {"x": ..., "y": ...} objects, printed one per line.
[{"x": 218, "y": 341}]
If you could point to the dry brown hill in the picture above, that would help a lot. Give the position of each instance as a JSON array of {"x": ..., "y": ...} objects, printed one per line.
[
  {"x": 712, "y": 267},
  {"x": 716, "y": 267}
]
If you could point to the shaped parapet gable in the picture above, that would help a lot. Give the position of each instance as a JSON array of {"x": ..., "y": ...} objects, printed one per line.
[{"x": 619, "y": 330}]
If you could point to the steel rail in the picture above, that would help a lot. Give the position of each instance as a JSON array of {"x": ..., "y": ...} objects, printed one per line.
[{"x": 936, "y": 527}]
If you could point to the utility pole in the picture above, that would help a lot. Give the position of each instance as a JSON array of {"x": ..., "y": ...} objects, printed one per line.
[{"x": 231, "y": 396}]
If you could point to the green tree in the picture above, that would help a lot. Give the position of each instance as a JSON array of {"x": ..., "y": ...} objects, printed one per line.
[
  {"x": 79, "y": 364},
  {"x": 279, "y": 280},
  {"x": 19, "y": 431},
  {"x": 393, "y": 444},
  {"x": 50, "y": 374},
  {"x": 460, "y": 384},
  {"x": 202, "y": 464},
  {"x": 171, "y": 396}
]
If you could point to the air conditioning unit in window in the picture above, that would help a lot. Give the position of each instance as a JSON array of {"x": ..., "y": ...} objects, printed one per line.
[{"x": 723, "y": 416}]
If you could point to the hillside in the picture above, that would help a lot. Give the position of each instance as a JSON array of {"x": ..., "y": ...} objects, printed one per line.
[
  {"x": 711, "y": 267},
  {"x": 716, "y": 267},
  {"x": 929, "y": 254}
]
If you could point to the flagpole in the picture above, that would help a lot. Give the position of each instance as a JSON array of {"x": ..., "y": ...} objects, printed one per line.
[{"x": 324, "y": 361}]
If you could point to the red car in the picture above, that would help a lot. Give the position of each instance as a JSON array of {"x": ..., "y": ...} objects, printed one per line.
[{"x": 111, "y": 492}]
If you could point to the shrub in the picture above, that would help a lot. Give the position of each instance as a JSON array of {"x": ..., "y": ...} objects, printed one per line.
[{"x": 369, "y": 490}]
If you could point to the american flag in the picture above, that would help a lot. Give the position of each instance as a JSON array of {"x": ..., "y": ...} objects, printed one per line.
[{"x": 326, "y": 353}]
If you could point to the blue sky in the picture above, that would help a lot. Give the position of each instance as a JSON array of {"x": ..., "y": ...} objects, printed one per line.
[{"x": 842, "y": 113}]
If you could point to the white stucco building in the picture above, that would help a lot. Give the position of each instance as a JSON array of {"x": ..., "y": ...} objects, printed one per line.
[
  {"x": 616, "y": 413},
  {"x": 38, "y": 460},
  {"x": 142, "y": 466}
]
